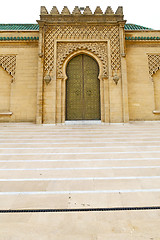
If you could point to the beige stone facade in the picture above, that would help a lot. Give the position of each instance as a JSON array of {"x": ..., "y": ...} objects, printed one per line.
[{"x": 34, "y": 62}]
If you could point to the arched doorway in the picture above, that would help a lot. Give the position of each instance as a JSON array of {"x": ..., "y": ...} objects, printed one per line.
[{"x": 82, "y": 89}]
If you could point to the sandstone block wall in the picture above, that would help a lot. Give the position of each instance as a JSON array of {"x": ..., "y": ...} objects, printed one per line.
[
  {"x": 143, "y": 89},
  {"x": 18, "y": 96},
  {"x": 18, "y": 91}
]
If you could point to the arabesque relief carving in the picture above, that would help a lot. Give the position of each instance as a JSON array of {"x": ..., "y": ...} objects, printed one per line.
[
  {"x": 8, "y": 63},
  {"x": 49, "y": 51},
  {"x": 83, "y": 33},
  {"x": 115, "y": 49},
  {"x": 154, "y": 63},
  {"x": 98, "y": 48}
]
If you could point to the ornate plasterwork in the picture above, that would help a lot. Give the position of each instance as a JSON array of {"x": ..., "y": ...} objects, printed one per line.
[
  {"x": 81, "y": 32},
  {"x": 115, "y": 49},
  {"x": 97, "y": 48},
  {"x": 49, "y": 51},
  {"x": 8, "y": 63},
  {"x": 154, "y": 63}
]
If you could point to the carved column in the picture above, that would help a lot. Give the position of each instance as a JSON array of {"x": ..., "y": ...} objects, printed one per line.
[
  {"x": 63, "y": 110},
  {"x": 114, "y": 77},
  {"x": 39, "y": 115},
  {"x": 105, "y": 104},
  {"x": 59, "y": 101},
  {"x": 124, "y": 76}
]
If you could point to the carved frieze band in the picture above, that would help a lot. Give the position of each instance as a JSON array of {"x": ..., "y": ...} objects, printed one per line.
[
  {"x": 154, "y": 63},
  {"x": 8, "y": 63},
  {"x": 83, "y": 33},
  {"x": 99, "y": 49}
]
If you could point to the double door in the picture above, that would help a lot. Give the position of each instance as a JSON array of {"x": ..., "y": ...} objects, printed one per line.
[{"x": 82, "y": 89}]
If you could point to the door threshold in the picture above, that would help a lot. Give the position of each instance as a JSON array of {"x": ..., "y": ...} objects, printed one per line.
[{"x": 83, "y": 122}]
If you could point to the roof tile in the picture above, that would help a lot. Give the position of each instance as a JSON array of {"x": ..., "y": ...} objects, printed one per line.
[
  {"x": 29, "y": 27},
  {"x": 21, "y": 27},
  {"x": 130, "y": 26}
]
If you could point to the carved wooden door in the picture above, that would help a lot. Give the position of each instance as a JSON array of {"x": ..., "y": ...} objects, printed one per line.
[{"x": 82, "y": 89}]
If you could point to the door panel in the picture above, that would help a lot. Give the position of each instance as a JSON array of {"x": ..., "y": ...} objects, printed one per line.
[
  {"x": 82, "y": 89},
  {"x": 91, "y": 89},
  {"x": 74, "y": 93}
]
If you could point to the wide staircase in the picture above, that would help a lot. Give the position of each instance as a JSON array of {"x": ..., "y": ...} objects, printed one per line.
[{"x": 91, "y": 182}]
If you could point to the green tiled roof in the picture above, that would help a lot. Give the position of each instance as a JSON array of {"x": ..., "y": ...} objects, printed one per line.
[
  {"x": 21, "y": 27},
  {"x": 19, "y": 38},
  {"x": 142, "y": 38},
  {"x": 25, "y": 27},
  {"x": 130, "y": 26}
]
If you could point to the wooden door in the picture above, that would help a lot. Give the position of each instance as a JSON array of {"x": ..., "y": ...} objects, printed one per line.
[{"x": 82, "y": 89}]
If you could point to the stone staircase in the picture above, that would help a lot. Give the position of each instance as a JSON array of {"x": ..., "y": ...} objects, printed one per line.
[{"x": 80, "y": 167}]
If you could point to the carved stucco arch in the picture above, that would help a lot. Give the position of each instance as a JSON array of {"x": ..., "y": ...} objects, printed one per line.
[
  {"x": 154, "y": 67},
  {"x": 78, "y": 52},
  {"x": 153, "y": 63},
  {"x": 8, "y": 63},
  {"x": 101, "y": 77},
  {"x": 98, "y": 51}
]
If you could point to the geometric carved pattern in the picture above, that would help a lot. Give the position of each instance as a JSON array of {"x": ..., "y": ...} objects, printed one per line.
[
  {"x": 49, "y": 52},
  {"x": 154, "y": 63},
  {"x": 8, "y": 63},
  {"x": 99, "y": 49},
  {"x": 115, "y": 49},
  {"x": 79, "y": 32}
]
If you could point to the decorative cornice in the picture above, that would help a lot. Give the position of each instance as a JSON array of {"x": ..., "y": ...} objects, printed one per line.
[
  {"x": 19, "y": 38},
  {"x": 81, "y": 15},
  {"x": 77, "y": 11},
  {"x": 109, "y": 10},
  {"x": 98, "y": 11},
  {"x": 54, "y": 11},
  {"x": 142, "y": 38},
  {"x": 65, "y": 11}
]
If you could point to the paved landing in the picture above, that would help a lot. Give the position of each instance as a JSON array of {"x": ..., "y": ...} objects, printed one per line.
[{"x": 76, "y": 167}]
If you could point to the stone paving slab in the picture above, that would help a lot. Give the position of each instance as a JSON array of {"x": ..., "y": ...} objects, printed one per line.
[
  {"x": 84, "y": 225},
  {"x": 78, "y": 200}
]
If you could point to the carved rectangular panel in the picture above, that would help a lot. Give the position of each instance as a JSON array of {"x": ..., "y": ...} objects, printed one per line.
[
  {"x": 91, "y": 89},
  {"x": 74, "y": 90}
]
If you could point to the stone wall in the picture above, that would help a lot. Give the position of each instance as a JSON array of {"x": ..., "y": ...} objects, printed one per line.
[
  {"x": 18, "y": 79},
  {"x": 143, "y": 77}
]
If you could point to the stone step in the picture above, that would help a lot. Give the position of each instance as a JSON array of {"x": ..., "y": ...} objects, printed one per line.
[
  {"x": 47, "y": 200},
  {"x": 79, "y": 145},
  {"x": 81, "y": 156},
  {"x": 80, "y": 172},
  {"x": 96, "y": 156},
  {"x": 66, "y": 141},
  {"x": 124, "y": 225},
  {"x": 73, "y": 186},
  {"x": 80, "y": 167},
  {"x": 79, "y": 150},
  {"x": 59, "y": 163},
  {"x": 29, "y": 164}
]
